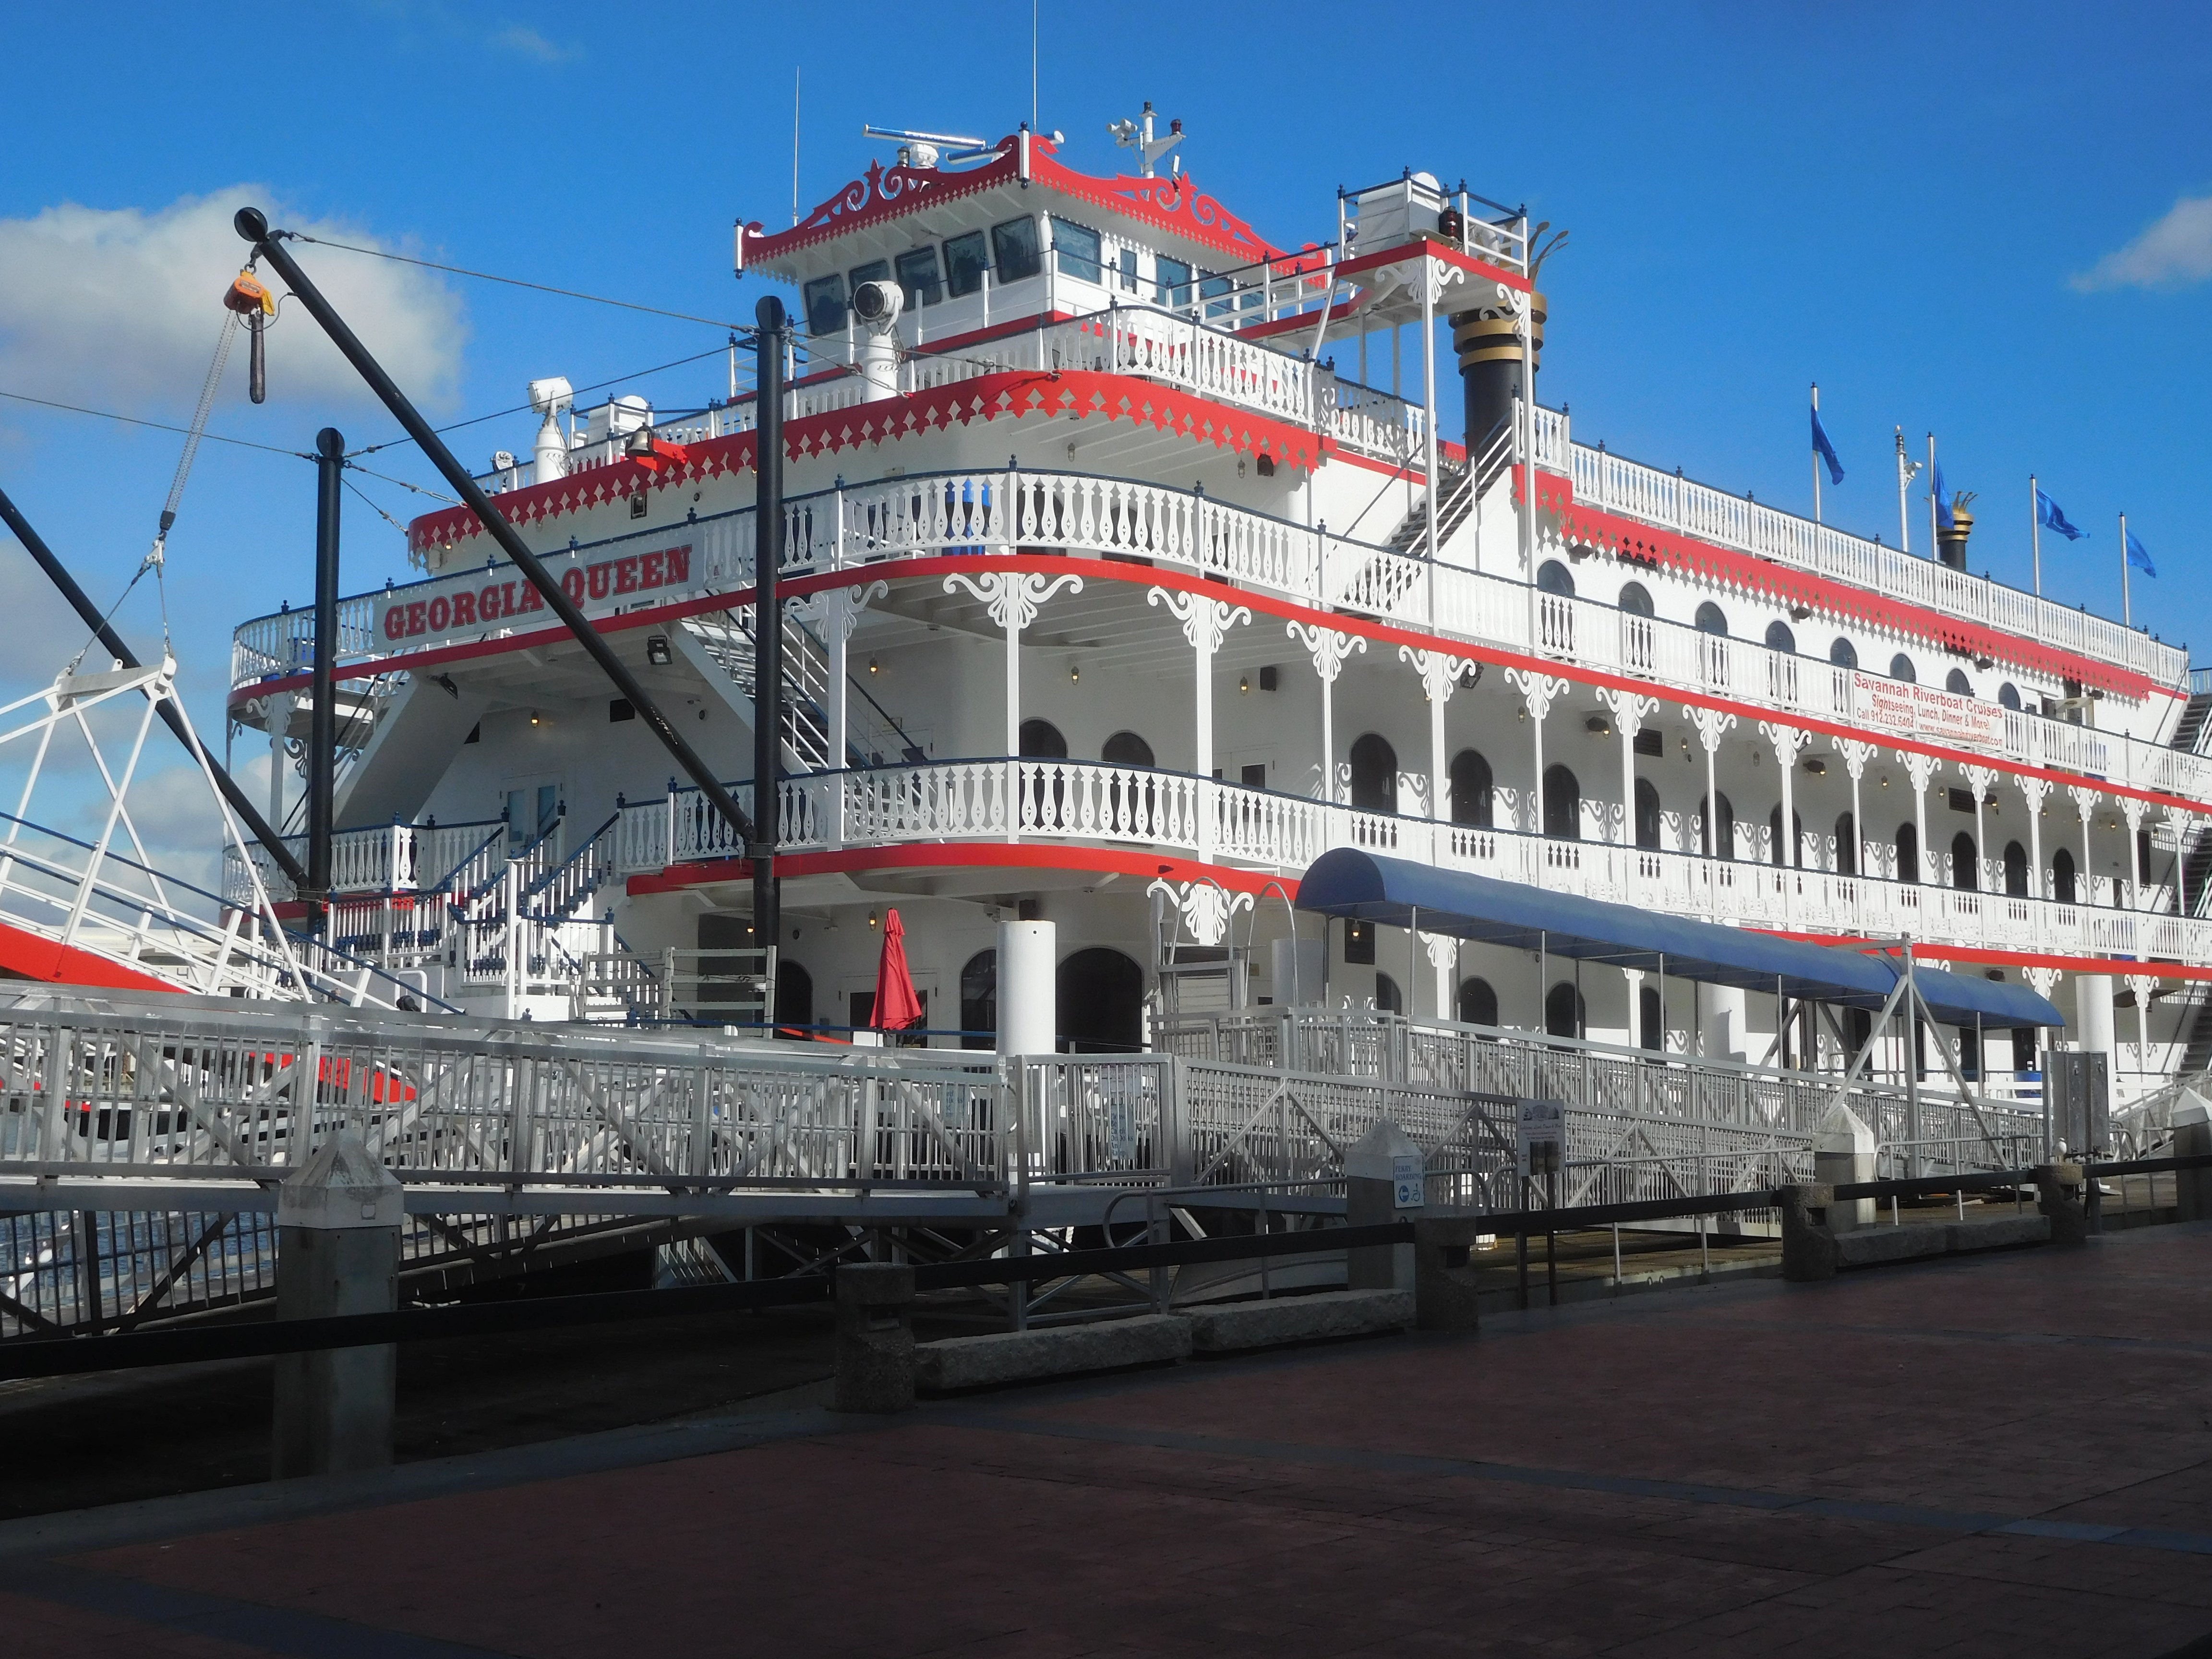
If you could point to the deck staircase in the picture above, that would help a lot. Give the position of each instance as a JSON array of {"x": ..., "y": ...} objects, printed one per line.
[{"x": 872, "y": 736}]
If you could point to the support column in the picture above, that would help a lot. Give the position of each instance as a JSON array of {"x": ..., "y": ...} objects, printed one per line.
[
  {"x": 1440, "y": 676},
  {"x": 337, "y": 1253},
  {"x": 1786, "y": 740},
  {"x": 2132, "y": 809},
  {"x": 279, "y": 717},
  {"x": 836, "y": 611},
  {"x": 2143, "y": 985},
  {"x": 1013, "y": 599},
  {"x": 2085, "y": 803},
  {"x": 1537, "y": 691},
  {"x": 1205, "y": 621},
  {"x": 1029, "y": 1005},
  {"x": 2035, "y": 791},
  {"x": 1711, "y": 724},
  {"x": 1328, "y": 650},
  {"x": 1921, "y": 769},
  {"x": 1444, "y": 957},
  {"x": 1855, "y": 755},
  {"x": 1978, "y": 779}
]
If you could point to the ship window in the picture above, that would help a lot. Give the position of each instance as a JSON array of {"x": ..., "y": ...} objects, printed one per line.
[
  {"x": 1711, "y": 619},
  {"x": 1908, "y": 852},
  {"x": 1779, "y": 638},
  {"x": 1636, "y": 600},
  {"x": 1843, "y": 653},
  {"x": 1471, "y": 789},
  {"x": 1723, "y": 824},
  {"x": 1651, "y": 1018},
  {"x": 1847, "y": 845},
  {"x": 966, "y": 259},
  {"x": 1957, "y": 681},
  {"x": 1126, "y": 749},
  {"x": 1478, "y": 1002},
  {"x": 1215, "y": 290},
  {"x": 876, "y": 270},
  {"x": 1128, "y": 271},
  {"x": 1900, "y": 668},
  {"x": 1565, "y": 1014},
  {"x": 531, "y": 815},
  {"x": 1555, "y": 578},
  {"x": 825, "y": 305},
  {"x": 1563, "y": 805},
  {"x": 1387, "y": 998},
  {"x": 1079, "y": 250},
  {"x": 2015, "y": 870},
  {"x": 1965, "y": 863},
  {"x": 1014, "y": 247},
  {"x": 1646, "y": 814},
  {"x": 1040, "y": 740},
  {"x": 917, "y": 277},
  {"x": 979, "y": 1002},
  {"x": 2009, "y": 696},
  {"x": 2062, "y": 876},
  {"x": 1374, "y": 774},
  {"x": 1172, "y": 282}
]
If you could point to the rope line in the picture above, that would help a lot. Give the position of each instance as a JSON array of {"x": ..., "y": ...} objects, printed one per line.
[{"x": 158, "y": 426}]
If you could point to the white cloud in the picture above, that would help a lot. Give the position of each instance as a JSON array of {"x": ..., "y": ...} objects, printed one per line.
[
  {"x": 527, "y": 42},
  {"x": 124, "y": 305},
  {"x": 2173, "y": 252}
]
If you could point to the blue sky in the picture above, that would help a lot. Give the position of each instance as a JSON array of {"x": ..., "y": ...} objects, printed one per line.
[{"x": 1759, "y": 196}]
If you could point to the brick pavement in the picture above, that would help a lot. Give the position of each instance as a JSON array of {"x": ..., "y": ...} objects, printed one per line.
[{"x": 2006, "y": 1455}]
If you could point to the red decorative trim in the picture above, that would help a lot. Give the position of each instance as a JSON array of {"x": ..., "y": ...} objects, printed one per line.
[
  {"x": 1081, "y": 393},
  {"x": 967, "y": 855},
  {"x": 1629, "y": 539},
  {"x": 1174, "y": 204},
  {"x": 25, "y": 955}
]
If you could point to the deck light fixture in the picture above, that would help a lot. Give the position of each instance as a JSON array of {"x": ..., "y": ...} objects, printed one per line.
[{"x": 656, "y": 650}]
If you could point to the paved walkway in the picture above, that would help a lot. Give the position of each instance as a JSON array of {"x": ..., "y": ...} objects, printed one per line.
[{"x": 2011, "y": 1455}]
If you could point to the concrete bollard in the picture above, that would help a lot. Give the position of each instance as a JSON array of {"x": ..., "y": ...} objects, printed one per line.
[
  {"x": 2192, "y": 1138},
  {"x": 1382, "y": 1169},
  {"x": 338, "y": 1252},
  {"x": 1808, "y": 1247},
  {"x": 1843, "y": 1154},
  {"x": 1443, "y": 1273},
  {"x": 2058, "y": 1189},
  {"x": 875, "y": 1338}
]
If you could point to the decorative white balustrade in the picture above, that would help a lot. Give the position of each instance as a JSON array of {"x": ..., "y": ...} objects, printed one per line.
[
  {"x": 866, "y": 527},
  {"x": 1078, "y": 802}
]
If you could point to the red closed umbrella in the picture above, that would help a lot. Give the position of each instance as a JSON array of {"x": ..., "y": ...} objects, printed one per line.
[{"x": 896, "y": 1005}]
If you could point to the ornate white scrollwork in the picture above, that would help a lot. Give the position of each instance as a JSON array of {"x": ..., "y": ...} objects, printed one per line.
[
  {"x": 1206, "y": 907},
  {"x": 836, "y": 610},
  {"x": 1629, "y": 710},
  {"x": 1439, "y": 670},
  {"x": 1713, "y": 724},
  {"x": 1538, "y": 690},
  {"x": 1204, "y": 619},
  {"x": 1855, "y": 755},
  {"x": 1013, "y": 596},
  {"x": 1329, "y": 649},
  {"x": 1786, "y": 741}
]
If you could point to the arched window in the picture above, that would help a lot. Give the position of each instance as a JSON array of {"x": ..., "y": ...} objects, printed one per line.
[
  {"x": 1636, "y": 599},
  {"x": 1040, "y": 740},
  {"x": 1843, "y": 653},
  {"x": 1388, "y": 1000},
  {"x": 1847, "y": 844},
  {"x": 1565, "y": 1014},
  {"x": 1793, "y": 851},
  {"x": 979, "y": 1002},
  {"x": 1965, "y": 863},
  {"x": 1711, "y": 619},
  {"x": 1374, "y": 774},
  {"x": 1650, "y": 1023},
  {"x": 1908, "y": 852},
  {"x": 1477, "y": 1003},
  {"x": 1101, "y": 1003},
  {"x": 1563, "y": 805},
  {"x": 1555, "y": 578},
  {"x": 1957, "y": 683},
  {"x": 2062, "y": 876},
  {"x": 1716, "y": 837},
  {"x": 1126, "y": 749},
  {"x": 1900, "y": 668},
  {"x": 1471, "y": 789},
  {"x": 1779, "y": 638},
  {"x": 1646, "y": 814},
  {"x": 2009, "y": 696},
  {"x": 794, "y": 998},
  {"x": 2016, "y": 857}
]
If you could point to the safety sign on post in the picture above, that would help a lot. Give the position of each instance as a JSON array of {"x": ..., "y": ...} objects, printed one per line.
[
  {"x": 1541, "y": 1140},
  {"x": 1411, "y": 1182}
]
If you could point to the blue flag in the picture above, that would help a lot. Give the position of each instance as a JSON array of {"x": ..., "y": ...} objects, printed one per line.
[
  {"x": 2139, "y": 555},
  {"x": 1943, "y": 518},
  {"x": 2052, "y": 517},
  {"x": 1826, "y": 450}
]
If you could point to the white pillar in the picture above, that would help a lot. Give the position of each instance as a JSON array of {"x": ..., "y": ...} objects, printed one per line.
[
  {"x": 2085, "y": 885},
  {"x": 1440, "y": 676},
  {"x": 280, "y": 721},
  {"x": 1921, "y": 769},
  {"x": 2034, "y": 792},
  {"x": 1329, "y": 649},
  {"x": 2093, "y": 1014},
  {"x": 1537, "y": 691},
  {"x": 1855, "y": 755},
  {"x": 1205, "y": 620},
  {"x": 1029, "y": 1002},
  {"x": 2132, "y": 809},
  {"x": 1013, "y": 599}
]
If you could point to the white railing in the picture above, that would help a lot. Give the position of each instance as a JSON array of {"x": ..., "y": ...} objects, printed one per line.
[
  {"x": 1091, "y": 803},
  {"x": 986, "y": 512},
  {"x": 1605, "y": 480},
  {"x": 397, "y": 857}
]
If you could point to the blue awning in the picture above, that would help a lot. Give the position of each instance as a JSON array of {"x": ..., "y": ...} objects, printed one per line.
[{"x": 1350, "y": 883}]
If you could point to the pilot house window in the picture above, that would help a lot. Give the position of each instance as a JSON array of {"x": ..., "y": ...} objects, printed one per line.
[
  {"x": 1014, "y": 245},
  {"x": 966, "y": 261}
]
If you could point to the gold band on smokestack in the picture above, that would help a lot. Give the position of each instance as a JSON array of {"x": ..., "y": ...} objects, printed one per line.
[{"x": 1489, "y": 354}]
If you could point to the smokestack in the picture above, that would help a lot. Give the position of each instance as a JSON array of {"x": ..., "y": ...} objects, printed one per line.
[
  {"x": 1490, "y": 367},
  {"x": 1951, "y": 541}
]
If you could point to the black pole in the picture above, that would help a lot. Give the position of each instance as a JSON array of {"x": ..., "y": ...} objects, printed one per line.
[
  {"x": 323, "y": 724},
  {"x": 58, "y": 573},
  {"x": 254, "y": 226},
  {"x": 767, "y": 622}
]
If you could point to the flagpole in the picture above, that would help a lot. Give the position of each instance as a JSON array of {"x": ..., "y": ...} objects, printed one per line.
[
  {"x": 1904, "y": 515},
  {"x": 2035, "y": 529},
  {"x": 1935, "y": 507},
  {"x": 1816, "y": 457},
  {"x": 2127, "y": 611}
]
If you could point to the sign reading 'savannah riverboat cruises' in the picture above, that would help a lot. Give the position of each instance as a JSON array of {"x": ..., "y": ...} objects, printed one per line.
[{"x": 1921, "y": 711}]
